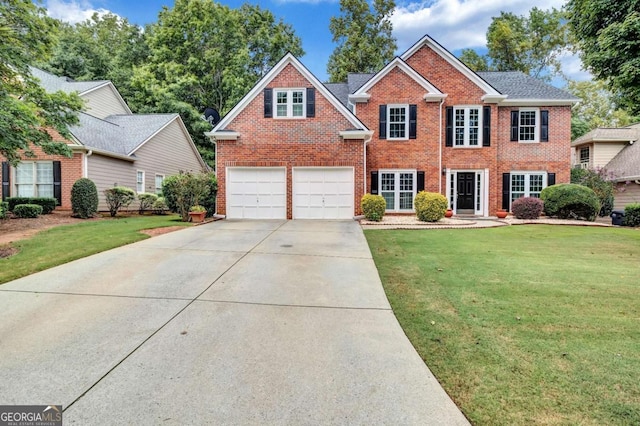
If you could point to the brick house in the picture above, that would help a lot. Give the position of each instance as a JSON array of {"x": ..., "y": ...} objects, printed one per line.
[
  {"x": 296, "y": 148},
  {"x": 110, "y": 146}
]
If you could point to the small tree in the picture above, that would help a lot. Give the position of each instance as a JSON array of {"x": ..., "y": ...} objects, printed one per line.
[
  {"x": 146, "y": 202},
  {"x": 185, "y": 190},
  {"x": 601, "y": 183},
  {"x": 84, "y": 198},
  {"x": 118, "y": 197}
]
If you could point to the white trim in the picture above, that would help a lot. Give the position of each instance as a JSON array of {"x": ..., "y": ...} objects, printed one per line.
[
  {"x": 156, "y": 182},
  {"x": 453, "y": 61},
  {"x": 288, "y": 59},
  {"x": 527, "y": 182},
  {"x": 144, "y": 181},
  {"x": 480, "y": 193},
  {"x": 360, "y": 97},
  {"x": 289, "y": 91},
  {"x": 295, "y": 211},
  {"x": 228, "y": 182},
  {"x": 466, "y": 128},
  {"x": 356, "y": 134},
  {"x": 104, "y": 153},
  {"x": 433, "y": 93},
  {"x": 223, "y": 135},
  {"x": 396, "y": 191},
  {"x": 538, "y": 102},
  {"x": 406, "y": 122},
  {"x": 536, "y": 129}
]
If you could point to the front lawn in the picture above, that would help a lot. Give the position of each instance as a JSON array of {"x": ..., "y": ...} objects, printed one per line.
[
  {"x": 65, "y": 243},
  {"x": 522, "y": 324}
]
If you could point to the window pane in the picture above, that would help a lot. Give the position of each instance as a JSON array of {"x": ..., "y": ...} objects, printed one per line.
[
  {"x": 473, "y": 137},
  {"x": 44, "y": 172},
  {"x": 24, "y": 173},
  {"x": 527, "y": 125},
  {"x": 140, "y": 181},
  {"x": 459, "y": 136},
  {"x": 459, "y": 127},
  {"x": 406, "y": 200},
  {"x": 159, "y": 180},
  {"x": 281, "y": 104},
  {"x": 397, "y": 122},
  {"x": 517, "y": 186},
  {"x": 45, "y": 190},
  {"x": 388, "y": 182},
  {"x": 406, "y": 181},
  {"x": 389, "y": 198},
  {"x": 474, "y": 123},
  {"x": 535, "y": 185}
]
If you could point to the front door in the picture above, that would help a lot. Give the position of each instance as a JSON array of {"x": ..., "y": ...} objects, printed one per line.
[{"x": 466, "y": 183}]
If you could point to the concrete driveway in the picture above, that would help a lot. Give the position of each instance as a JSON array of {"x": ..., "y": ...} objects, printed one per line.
[{"x": 233, "y": 322}]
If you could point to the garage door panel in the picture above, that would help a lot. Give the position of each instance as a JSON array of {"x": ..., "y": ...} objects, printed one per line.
[
  {"x": 256, "y": 193},
  {"x": 323, "y": 193}
]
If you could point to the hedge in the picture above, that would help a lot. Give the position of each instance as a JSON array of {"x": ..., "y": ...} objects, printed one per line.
[
  {"x": 28, "y": 211},
  {"x": 48, "y": 204},
  {"x": 632, "y": 215},
  {"x": 570, "y": 201},
  {"x": 430, "y": 206},
  {"x": 373, "y": 207}
]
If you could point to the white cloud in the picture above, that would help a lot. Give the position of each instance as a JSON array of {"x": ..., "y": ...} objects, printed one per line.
[{"x": 73, "y": 11}]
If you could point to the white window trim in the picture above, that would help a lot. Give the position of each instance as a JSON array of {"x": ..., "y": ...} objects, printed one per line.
[
  {"x": 396, "y": 195},
  {"x": 466, "y": 141},
  {"x": 584, "y": 164},
  {"x": 158, "y": 189},
  {"x": 536, "y": 130},
  {"x": 143, "y": 181},
  {"x": 527, "y": 182},
  {"x": 34, "y": 182},
  {"x": 481, "y": 207},
  {"x": 406, "y": 121},
  {"x": 289, "y": 92}
]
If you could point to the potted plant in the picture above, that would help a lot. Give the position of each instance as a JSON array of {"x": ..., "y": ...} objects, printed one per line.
[
  {"x": 197, "y": 213},
  {"x": 448, "y": 213},
  {"x": 501, "y": 213}
]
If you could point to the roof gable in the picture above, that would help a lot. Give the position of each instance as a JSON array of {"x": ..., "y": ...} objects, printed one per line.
[{"x": 288, "y": 59}]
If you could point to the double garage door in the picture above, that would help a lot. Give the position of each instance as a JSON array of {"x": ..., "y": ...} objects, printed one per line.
[{"x": 318, "y": 193}]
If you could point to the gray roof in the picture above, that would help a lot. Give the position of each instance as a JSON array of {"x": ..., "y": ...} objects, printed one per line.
[
  {"x": 120, "y": 134},
  {"x": 340, "y": 91},
  {"x": 609, "y": 134},
  {"x": 518, "y": 85},
  {"x": 53, "y": 83}
]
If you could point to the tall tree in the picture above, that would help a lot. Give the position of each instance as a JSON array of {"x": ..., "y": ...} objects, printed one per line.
[
  {"x": 203, "y": 54},
  {"x": 26, "y": 110},
  {"x": 607, "y": 33},
  {"x": 364, "y": 37},
  {"x": 530, "y": 44}
]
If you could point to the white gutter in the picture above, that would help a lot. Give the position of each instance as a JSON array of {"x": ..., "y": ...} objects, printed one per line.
[
  {"x": 440, "y": 150},
  {"x": 85, "y": 171}
]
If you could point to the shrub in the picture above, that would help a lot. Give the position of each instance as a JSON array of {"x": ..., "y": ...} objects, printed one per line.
[
  {"x": 4, "y": 209},
  {"x": 430, "y": 206},
  {"x": 84, "y": 198},
  {"x": 185, "y": 190},
  {"x": 14, "y": 201},
  {"x": 118, "y": 197},
  {"x": 600, "y": 182},
  {"x": 146, "y": 201},
  {"x": 373, "y": 207},
  {"x": 209, "y": 200},
  {"x": 48, "y": 204},
  {"x": 28, "y": 211},
  {"x": 570, "y": 201},
  {"x": 527, "y": 207},
  {"x": 632, "y": 215},
  {"x": 159, "y": 206}
]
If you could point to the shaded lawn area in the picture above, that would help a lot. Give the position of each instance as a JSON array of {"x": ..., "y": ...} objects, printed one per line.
[
  {"x": 522, "y": 325},
  {"x": 65, "y": 243}
]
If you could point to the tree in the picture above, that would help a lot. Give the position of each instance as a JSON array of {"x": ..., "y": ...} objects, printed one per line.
[
  {"x": 26, "y": 110},
  {"x": 597, "y": 108},
  {"x": 364, "y": 37},
  {"x": 203, "y": 54},
  {"x": 608, "y": 36},
  {"x": 530, "y": 44}
]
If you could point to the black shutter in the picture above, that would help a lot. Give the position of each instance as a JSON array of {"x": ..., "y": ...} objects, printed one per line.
[
  {"x": 57, "y": 182},
  {"x": 420, "y": 181},
  {"x": 551, "y": 179},
  {"x": 382, "y": 122},
  {"x": 268, "y": 103},
  {"x": 449, "y": 126},
  {"x": 506, "y": 190},
  {"x": 486, "y": 126},
  {"x": 515, "y": 123},
  {"x": 311, "y": 102},
  {"x": 374, "y": 183},
  {"x": 413, "y": 120},
  {"x": 5, "y": 180},
  {"x": 544, "y": 126}
]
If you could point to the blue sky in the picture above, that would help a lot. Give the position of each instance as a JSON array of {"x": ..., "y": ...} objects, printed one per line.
[{"x": 456, "y": 24}]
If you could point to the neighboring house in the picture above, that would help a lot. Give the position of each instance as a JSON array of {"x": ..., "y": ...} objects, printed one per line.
[
  {"x": 110, "y": 145},
  {"x": 617, "y": 151},
  {"x": 296, "y": 148}
]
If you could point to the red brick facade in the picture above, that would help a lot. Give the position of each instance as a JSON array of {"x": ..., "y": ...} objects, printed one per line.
[{"x": 316, "y": 141}]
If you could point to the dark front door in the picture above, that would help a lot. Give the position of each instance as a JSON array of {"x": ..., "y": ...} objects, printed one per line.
[{"x": 465, "y": 190}]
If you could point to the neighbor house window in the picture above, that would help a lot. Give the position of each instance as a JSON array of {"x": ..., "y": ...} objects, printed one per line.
[
  {"x": 584, "y": 157},
  {"x": 290, "y": 103},
  {"x": 34, "y": 179},
  {"x": 528, "y": 125},
  {"x": 467, "y": 126},
  {"x": 139, "y": 181},
  {"x": 159, "y": 180},
  {"x": 527, "y": 184},
  {"x": 398, "y": 121},
  {"x": 398, "y": 188}
]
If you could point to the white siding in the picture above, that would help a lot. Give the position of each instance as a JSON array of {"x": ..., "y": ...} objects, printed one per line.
[
  {"x": 104, "y": 101},
  {"x": 602, "y": 153},
  {"x": 626, "y": 194},
  {"x": 107, "y": 172}
]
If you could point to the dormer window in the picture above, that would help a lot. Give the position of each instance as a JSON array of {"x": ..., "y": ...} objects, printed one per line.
[{"x": 289, "y": 103}]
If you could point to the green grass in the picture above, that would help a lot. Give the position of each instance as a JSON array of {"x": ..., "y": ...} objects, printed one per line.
[
  {"x": 65, "y": 243},
  {"x": 522, "y": 324}
]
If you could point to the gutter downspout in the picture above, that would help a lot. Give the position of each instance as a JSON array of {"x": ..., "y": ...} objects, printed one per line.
[
  {"x": 440, "y": 151},
  {"x": 85, "y": 170}
]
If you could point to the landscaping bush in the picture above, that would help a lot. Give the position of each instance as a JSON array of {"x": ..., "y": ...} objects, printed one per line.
[
  {"x": 146, "y": 202},
  {"x": 160, "y": 206},
  {"x": 4, "y": 209},
  {"x": 48, "y": 204},
  {"x": 27, "y": 211},
  {"x": 570, "y": 201},
  {"x": 632, "y": 215},
  {"x": 600, "y": 182},
  {"x": 185, "y": 190},
  {"x": 209, "y": 200},
  {"x": 527, "y": 207},
  {"x": 118, "y": 197},
  {"x": 373, "y": 207},
  {"x": 84, "y": 198},
  {"x": 430, "y": 206}
]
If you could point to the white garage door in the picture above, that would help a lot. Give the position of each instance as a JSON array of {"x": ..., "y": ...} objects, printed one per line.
[
  {"x": 323, "y": 193},
  {"x": 256, "y": 193}
]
